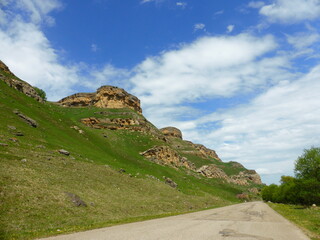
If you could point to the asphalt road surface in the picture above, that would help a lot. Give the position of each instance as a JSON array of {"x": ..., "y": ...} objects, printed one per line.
[{"x": 246, "y": 221}]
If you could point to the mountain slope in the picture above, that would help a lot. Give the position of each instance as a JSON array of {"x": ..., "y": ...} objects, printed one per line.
[{"x": 105, "y": 179}]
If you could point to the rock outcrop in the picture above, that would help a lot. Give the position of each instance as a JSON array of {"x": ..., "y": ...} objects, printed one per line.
[
  {"x": 243, "y": 178},
  {"x": 164, "y": 155},
  {"x": 171, "y": 132},
  {"x": 207, "y": 152},
  {"x": 212, "y": 171},
  {"x": 14, "y": 82},
  {"x": 105, "y": 97}
]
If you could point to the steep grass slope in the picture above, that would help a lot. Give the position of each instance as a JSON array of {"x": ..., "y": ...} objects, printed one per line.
[{"x": 36, "y": 180}]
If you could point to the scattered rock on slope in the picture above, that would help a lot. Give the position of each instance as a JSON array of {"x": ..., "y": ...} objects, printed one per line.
[{"x": 28, "y": 120}]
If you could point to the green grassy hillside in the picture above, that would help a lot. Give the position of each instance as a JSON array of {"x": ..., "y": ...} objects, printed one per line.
[{"x": 35, "y": 177}]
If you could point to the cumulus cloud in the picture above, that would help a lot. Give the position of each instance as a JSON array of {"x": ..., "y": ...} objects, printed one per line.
[
  {"x": 209, "y": 67},
  {"x": 27, "y": 51},
  {"x": 269, "y": 131},
  {"x": 292, "y": 11}
]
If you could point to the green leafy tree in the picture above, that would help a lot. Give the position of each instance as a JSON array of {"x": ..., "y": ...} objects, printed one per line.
[
  {"x": 41, "y": 93},
  {"x": 307, "y": 166}
]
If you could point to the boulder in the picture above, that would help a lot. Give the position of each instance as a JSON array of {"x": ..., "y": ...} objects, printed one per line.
[
  {"x": 64, "y": 152},
  {"x": 28, "y": 120},
  {"x": 76, "y": 200},
  {"x": 171, "y": 132},
  {"x": 170, "y": 182}
]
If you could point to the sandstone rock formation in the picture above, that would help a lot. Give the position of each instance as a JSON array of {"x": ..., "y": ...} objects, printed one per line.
[
  {"x": 166, "y": 156},
  {"x": 212, "y": 171},
  {"x": 105, "y": 97},
  {"x": 18, "y": 84},
  {"x": 207, "y": 152},
  {"x": 171, "y": 132},
  {"x": 243, "y": 178}
]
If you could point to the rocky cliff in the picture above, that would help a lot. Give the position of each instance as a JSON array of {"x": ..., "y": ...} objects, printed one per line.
[
  {"x": 105, "y": 97},
  {"x": 9, "y": 78},
  {"x": 171, "y": 132}
]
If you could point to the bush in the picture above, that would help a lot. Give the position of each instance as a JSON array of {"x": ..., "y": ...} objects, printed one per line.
[{"x": 41, "y": 93}]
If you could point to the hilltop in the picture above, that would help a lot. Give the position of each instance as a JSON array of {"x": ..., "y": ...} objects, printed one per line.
[{"x": 93, "y": 159}]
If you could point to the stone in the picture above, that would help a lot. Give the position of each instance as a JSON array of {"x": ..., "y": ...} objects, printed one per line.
[
  {"x": 18, "y": 84},
  {"x": 13, "y": 139},
  {"x": 212, "y": 171},
  {"x": 165, "y": 155},
  {"x": 171, "y": 132},
  {"x": 243, "y": 196},
  {"x": 19, "y": 134},
  {"x": 314, "y": 205},
  {"x": 170, "y": 182},
  {"x": 24, "y": 160},
  {"x": 64, "y": 152},
  {"x": 12, "y": 127},
  {"x": 76, "y": 200},
  {"x": 122, "y": 171},
  {"x": 28, "y": 120},
  {"x": 4, "y": 145},
  {"x": 104, "y": 97}
]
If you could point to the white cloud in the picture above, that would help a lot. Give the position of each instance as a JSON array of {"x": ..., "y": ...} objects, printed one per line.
[
  {"x": 94, "y": 47},
  {"x": 209, "y": 67},
  {"x": 199, "y": 26},
  {"x": 219, "y": 12},
  {"x": 181, "y": 4},
  {"x": 256, "y": 4},
  {"x": 230, "y": 28},
  {"x": 272, "y": 130},
  {"x": 146, "y": 1},
  {"x": 303, "y": 40},
  {"x": 292, "y": 11},
  {"x": 27, "y": 51}
]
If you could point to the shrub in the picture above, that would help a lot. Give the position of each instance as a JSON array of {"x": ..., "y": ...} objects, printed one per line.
[{"x": 41, "y": 93}]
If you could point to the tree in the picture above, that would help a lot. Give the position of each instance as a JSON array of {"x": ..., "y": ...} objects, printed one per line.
[
  {"x": 41, "y": 93},
  {"x": 307, "y": 166}
]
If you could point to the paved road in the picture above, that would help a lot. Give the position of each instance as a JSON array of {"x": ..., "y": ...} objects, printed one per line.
[{"x": 246, "y": 221}]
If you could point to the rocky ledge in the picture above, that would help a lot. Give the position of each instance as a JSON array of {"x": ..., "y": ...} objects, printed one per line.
[
  {"x": 9, "y": 78},
  {"x": 171, "y": 132},
  {"x": 105, "y": 97}
]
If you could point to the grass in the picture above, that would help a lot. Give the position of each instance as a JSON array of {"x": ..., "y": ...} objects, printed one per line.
[
  {"x": 34, "y": 176},
  {"x": 307, "y": 218}
]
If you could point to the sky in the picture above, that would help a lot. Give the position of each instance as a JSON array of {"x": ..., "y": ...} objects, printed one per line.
[{"x": 240, "y": 77}]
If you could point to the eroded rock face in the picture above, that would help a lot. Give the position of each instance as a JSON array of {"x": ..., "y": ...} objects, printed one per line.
[
  {"x": 207, "y": 152},
  {"x": 166, "y": 156},
  {"x": 18, "y": 84},
  {"x": 243, "y": 178},
  {"x": 171, "y": 132},
  {"x": 250, "y": 175},
  {"x": 105, "y": 97},
  {"x": 212, "y": 171}
]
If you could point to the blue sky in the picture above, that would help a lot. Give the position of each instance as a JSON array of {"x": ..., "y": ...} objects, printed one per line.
[{"x": 241, "y": 77}]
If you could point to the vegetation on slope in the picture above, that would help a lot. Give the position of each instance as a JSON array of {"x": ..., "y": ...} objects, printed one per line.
[
  {"x": 35, "y": 178},
  {"x": 305, "y": 217}
]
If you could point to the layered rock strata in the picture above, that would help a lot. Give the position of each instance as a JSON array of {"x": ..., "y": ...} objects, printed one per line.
[
  {"x": 18, "y": 84},
  {"x": 105, "y": 97},
  {"x": 171, "y": 132},
  {"x": 243, "y": 178},
  {"x": 164, "y": 155}
]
